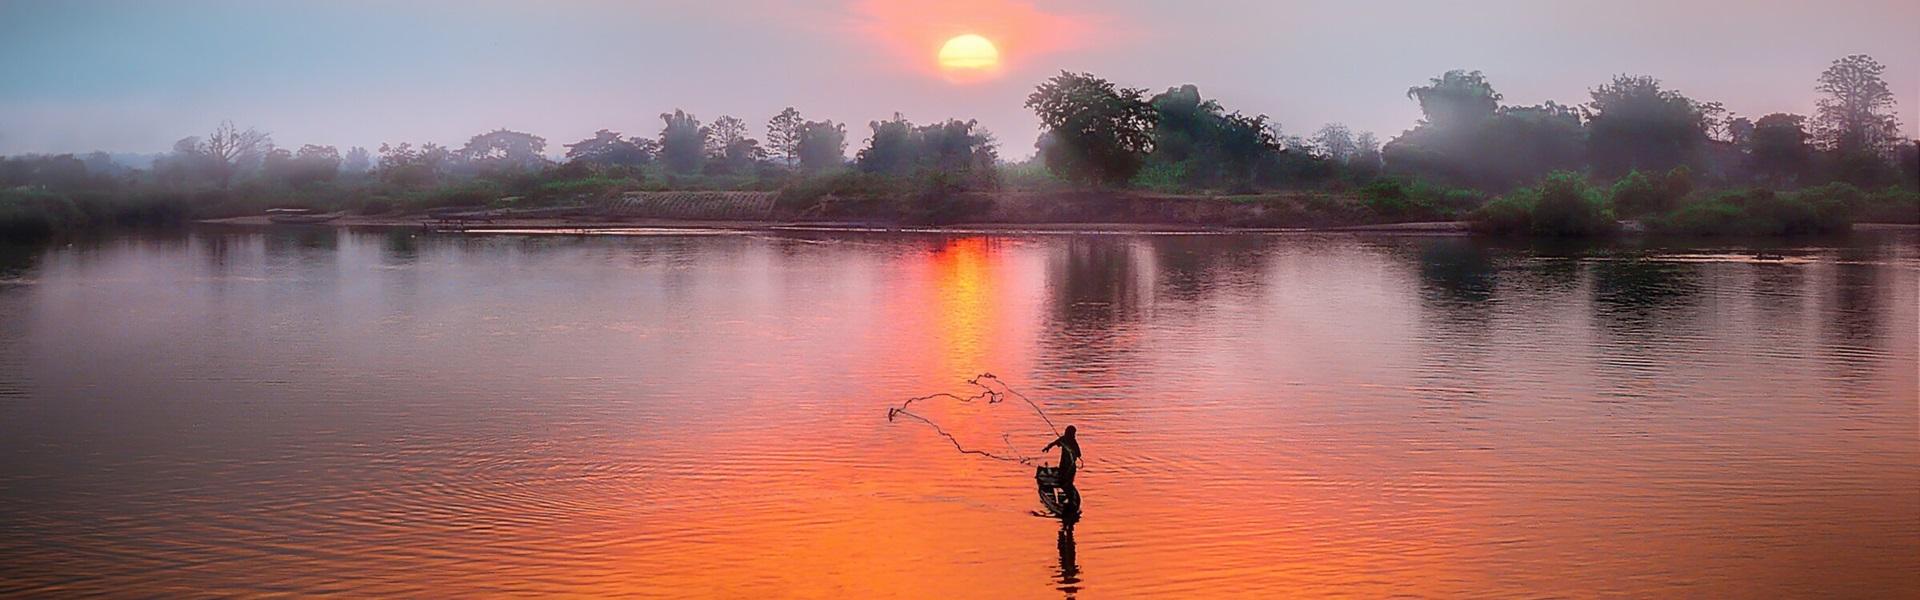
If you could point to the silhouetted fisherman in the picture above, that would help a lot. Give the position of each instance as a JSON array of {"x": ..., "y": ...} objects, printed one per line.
[
  {"x": 1069, "y": 454},
  {"x": 1063, "y": 474}
]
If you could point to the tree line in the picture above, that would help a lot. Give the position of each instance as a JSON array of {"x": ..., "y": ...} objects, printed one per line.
[{"x": 1468, "y": 146}]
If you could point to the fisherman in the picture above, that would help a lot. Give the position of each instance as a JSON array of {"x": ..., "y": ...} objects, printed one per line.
[
  {"x": 1069, "y": 455},
  {"x": 1069, "y": 462}
]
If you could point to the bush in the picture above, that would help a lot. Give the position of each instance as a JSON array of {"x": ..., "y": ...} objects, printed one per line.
[
  {"x": 1563, "y": 205},
  {"x": 1392, "y": 198},
  {"x": 1891, "y": 205},
  {"x": 590, "y": 186},
  {"x": 1506, "y": 215},
  {"x": 1761, "y": 212}
]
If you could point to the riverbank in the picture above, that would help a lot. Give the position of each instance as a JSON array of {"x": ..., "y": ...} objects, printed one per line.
[{"x": 591, "y": 224}]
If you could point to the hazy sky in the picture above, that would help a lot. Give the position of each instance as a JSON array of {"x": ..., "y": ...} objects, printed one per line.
[{"x": 79, "y": 75}]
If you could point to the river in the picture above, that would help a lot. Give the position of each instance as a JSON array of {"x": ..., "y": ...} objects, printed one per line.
[{"x": 704, "y": 414}]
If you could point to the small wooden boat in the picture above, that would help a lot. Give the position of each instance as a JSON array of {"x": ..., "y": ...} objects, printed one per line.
[
  {"x": 1061, "y": 500},
  {"x": 298, "y": 216}
]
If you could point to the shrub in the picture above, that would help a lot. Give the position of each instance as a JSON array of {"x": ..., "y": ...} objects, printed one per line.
[
  {"x": 1565, "y": 206},
  {"x": 1638, "y": 194},
  {"x": 1761, "y": 212},
  {"x": 1891, "y": 205},
  {"x": 1506, "y": 215}
]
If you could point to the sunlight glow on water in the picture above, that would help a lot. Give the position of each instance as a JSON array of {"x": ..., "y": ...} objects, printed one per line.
[{"x": 247, "y": 412}]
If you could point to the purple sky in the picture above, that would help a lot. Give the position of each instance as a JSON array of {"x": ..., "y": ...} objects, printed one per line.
[{"x": 79, "y": 75}]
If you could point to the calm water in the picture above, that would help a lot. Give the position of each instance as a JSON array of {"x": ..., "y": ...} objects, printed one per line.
[{"x": 254, "y": 412}]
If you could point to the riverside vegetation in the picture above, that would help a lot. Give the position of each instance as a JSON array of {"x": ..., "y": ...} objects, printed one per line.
[{"x": 1637, "y": 151}]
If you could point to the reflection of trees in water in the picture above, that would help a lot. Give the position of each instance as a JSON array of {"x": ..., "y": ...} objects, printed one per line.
[
  {"x": 1633, "y": 291},
  {"x": 1778, "y": 291},
  {"x": 1855, "y": 313},
  {"x": 1193, "y": 268},
  {"x": 1457, "y": 271},
  {"x": 400, "y": 247},
  {"x": 1459, "y": 280},
  {"x": 1095, "y": 283},
  {"x": 295, "y": 239},
  {"x": 17, "y": 259},
  {"x": 1851, "y": 334}
]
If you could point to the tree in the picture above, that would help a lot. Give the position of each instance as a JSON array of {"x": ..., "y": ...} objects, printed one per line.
[
  {"x": 1857, "y": 116},
  {"x": 1335, "y": 141},
  {"x": 1778, "y": 146},
  {"x": 900, "y": 148},
  {"x": 683, "y": 142},
  {"x": 405, "y": 166},
  {"x": 226, "y": 151},
  {"x": 723, "y": 134},
  {"x": 729, "y": 149},
  {"x": 1102, "y": 132},
  {"x": 504, "y": 149},
  {"x": 312, "y": 165},
  {"x": 1467, "y": 139},
  {"x": 783, "y": 136},
  {"x": 1457, "y": 98},
  {"x": 1197, "y": 143},
  {"x": 1634, "y": 124},
  {"x": 821, "y": 145},
  {"x": 608, "y": 148},
  {"x": 358, "y": 161},
  {"x": 1366, "y": 156}
]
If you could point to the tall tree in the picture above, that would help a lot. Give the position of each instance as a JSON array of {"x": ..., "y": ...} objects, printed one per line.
[
  {"x": 608, "y": 148},
  {"x": 1456, "y": 98},
  {"x": 358, "y": 161},
  {"x": 1779, "y": 148},
  {"x": 783, "y": 136},
  {"x": 1102, "y": 132},
  {"x": 1635, "y": 124},
  {"x": 229, "y": 149},
  {"x": 1335, "y": 141},
  {"x": 821, "y": 145},
  {"x": 504, "y": 149},
  {"x": 725, "y": 133},
  {"x": 683, "y": 142},
  {"x": 1858, "y": 113}
]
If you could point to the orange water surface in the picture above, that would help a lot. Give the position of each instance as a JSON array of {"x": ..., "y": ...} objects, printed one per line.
[{"x": 295, "y": 412}]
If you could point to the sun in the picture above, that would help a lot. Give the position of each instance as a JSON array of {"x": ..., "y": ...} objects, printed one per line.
[{"x": 969, "y": 54}]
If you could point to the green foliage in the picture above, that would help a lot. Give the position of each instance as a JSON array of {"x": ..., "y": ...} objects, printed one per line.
[
  {"x": 1637, "y": 194},
  {"x": 1762, "y": 212},
  {"x": 1198, "y": 144},
  {"x": 1029, "y": 175},
  {"x": 1395, "y": 199},
  {"x": 1891, "y": 205},
  {"x": 1633, "y": 123},
  {"x": 899, "y": 148},
  {"x": 1456, "y": 98},
  {"x": 597, "y": 185},
  {"x": 1506, "y": 215},
  {"x": 1562, "y": 205},
  {"x": 822, "y": 145},
  {"x": 608, "y": 148},
  {"x": 1097, "y": 133},
  {"x": 1778, "y": 147},
  {"x": 683, "y": 142},
  {"x": 1468, "y": 140}
]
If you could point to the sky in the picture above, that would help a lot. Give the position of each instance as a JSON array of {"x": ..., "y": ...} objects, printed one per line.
[{"x": 133, "y": 76}]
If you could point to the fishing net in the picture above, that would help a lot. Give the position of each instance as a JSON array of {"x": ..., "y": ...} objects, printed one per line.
[{"x": 989, "y": 390}]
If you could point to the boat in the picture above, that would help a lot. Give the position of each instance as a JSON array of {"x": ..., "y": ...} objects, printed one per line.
[
  {"x": 1063, "y": 501},
  {"x": 298, "y": 216}
]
